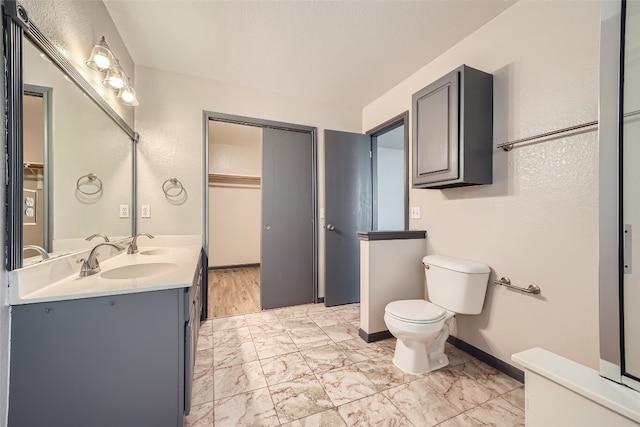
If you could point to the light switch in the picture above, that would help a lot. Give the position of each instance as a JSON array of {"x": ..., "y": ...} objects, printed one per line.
[
  {"x": 146, "y": 211},
  {"x": 124, "y": 211},
  {"x": 415, "y": 212}
]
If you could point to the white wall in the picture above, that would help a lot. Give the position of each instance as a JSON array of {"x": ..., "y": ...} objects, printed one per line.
[
  {"x": 234, "y": 209},
  {"x": 537, "y": 223},
  {"x": 170, "y": 123}
]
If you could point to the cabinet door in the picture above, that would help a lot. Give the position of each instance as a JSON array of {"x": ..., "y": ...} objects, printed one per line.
[{"x": 435, "y": 137}]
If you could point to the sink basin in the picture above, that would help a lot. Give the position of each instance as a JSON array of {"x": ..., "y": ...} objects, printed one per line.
[
  {"x": 136, "y": 271},
  {"x": 162, "y": 251}
]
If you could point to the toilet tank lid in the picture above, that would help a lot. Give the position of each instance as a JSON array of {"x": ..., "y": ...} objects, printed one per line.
[{"x": 456, "y": 264}]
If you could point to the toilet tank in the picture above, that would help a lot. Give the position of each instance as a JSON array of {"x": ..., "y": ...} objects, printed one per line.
[{"x": 455, "y": 284}]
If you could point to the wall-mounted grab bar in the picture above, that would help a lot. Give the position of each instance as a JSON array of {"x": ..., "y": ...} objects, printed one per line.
[{"x": 505, "y": 281}]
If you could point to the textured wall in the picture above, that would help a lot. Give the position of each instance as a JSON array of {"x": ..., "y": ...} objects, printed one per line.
[
  {"x": 171, "y": 129},
  {"x": 537, "y": 223}
]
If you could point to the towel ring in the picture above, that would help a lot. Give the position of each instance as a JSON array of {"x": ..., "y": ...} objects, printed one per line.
[
  {"x": 89, "y": 179},
  {"x": 173, "y": 183}
]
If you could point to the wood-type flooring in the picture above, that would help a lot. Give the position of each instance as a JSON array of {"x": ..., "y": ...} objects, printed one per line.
[{"x": 234, "y": 291}]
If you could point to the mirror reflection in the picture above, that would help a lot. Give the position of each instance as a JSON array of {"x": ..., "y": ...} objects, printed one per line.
[{"x": 78, "y": 171}]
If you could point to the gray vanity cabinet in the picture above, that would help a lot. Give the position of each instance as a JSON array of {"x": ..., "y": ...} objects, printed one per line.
[
  {"x": 123, "y": 360},
  {"x": 453, "y": 130}
]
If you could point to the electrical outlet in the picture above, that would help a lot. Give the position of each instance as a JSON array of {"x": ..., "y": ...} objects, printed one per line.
[
  {"x": 415, "y": 212},
  {"x": 124, "y": 211},
  {"x": 146, "y": 211}
]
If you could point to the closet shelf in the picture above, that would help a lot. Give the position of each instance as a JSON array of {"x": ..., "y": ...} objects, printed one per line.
[{"x": 233, "y": 179}]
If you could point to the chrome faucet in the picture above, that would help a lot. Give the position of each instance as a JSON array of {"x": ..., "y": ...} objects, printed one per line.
[
  {"x": 40, "y": 250},
  {"x": 104, "y": 236},
  {"x": 133, "y": 246},
  {"x": 91, "y": 265}
]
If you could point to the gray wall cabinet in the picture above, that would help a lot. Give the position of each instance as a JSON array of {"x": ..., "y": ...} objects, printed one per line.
[
  {"x": 453, "y": 131},
  {"x": 122, "y": 360}
]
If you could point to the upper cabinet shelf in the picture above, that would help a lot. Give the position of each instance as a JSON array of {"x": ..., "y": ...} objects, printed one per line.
[{"x": 453, "y": 131}]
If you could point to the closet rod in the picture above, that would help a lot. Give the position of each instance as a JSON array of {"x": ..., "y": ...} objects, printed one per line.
[{"x": 507, "y": 146}]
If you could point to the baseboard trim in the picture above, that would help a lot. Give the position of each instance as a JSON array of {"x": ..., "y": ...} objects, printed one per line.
[
  {"x": 376, "y": 336},
  {"x": 490, "y": 360},
  {"x": 224, "y": 267}
]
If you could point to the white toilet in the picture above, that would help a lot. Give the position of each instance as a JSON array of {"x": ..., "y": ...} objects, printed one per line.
[{"x": 454, "y": 286}]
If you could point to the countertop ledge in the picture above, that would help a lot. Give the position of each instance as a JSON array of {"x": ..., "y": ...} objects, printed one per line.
[
  {"x": 585, "y": 381},
  {"x": 391, "y": 234},
  {"x": 43, "y": 283}
]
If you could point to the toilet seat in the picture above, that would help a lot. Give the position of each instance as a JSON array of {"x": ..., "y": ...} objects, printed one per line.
[{"x": 416, "y": 311}]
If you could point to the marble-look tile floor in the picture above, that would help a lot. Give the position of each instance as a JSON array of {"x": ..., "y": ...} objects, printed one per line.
[{"x": 306, "y": 366}]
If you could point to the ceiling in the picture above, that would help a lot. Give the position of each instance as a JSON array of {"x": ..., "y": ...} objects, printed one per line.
[{"x": 336, "y": 52}]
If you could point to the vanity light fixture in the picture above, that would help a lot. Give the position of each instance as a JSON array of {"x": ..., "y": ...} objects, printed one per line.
[{"x": 101, "y": 58}]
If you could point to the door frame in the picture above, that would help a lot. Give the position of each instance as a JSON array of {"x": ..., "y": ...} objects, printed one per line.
[
  {"x": 46, "y": 93},
  {"x": 261, "y": 123},
  {"x": 389, "y": 125}
]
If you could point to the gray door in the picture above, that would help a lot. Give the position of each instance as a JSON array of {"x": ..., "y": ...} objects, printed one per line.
[
  {"x": 287, "y": 219},
  {"x": 348, "y": 209}
]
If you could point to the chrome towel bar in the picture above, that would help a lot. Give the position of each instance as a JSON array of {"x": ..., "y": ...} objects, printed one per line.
[
  {"x": 505, "y": 281},
  {"x": 507, "y": 146}
]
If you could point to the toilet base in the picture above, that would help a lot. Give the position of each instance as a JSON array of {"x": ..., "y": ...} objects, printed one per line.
[{"x": 417, "y": 357}]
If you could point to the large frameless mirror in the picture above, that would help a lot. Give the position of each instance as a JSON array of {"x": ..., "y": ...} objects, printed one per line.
[{"x": 71, "y": 159}]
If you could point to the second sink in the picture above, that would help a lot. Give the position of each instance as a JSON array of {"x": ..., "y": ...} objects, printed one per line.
[
  {"x": 161, "y": 251},
  {"x": 135, "y": 271}
]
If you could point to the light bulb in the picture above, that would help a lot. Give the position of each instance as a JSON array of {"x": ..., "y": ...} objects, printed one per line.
[
  {"x": 127, "y": 95},
  {"x": 115, "y": 77},
  {"x": 102, "y": 61}
]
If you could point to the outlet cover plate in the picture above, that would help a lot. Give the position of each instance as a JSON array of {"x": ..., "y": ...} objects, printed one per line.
[{"x": 415, "y": 212}]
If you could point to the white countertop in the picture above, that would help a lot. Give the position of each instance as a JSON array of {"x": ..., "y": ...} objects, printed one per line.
[
  {"x": 582, "y": 380},
  {"x": 59, "y": 279}
]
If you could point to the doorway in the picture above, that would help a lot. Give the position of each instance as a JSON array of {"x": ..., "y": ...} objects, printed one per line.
[
  {"x": 36, "y": 207},
  {"x": 260, "y": 214}
]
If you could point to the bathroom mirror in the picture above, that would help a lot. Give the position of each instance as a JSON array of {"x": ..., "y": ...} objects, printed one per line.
[{"x": 71, "y": 156}]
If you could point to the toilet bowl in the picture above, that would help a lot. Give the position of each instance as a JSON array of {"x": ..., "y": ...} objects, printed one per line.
[{"x": 422, "y": 327}]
